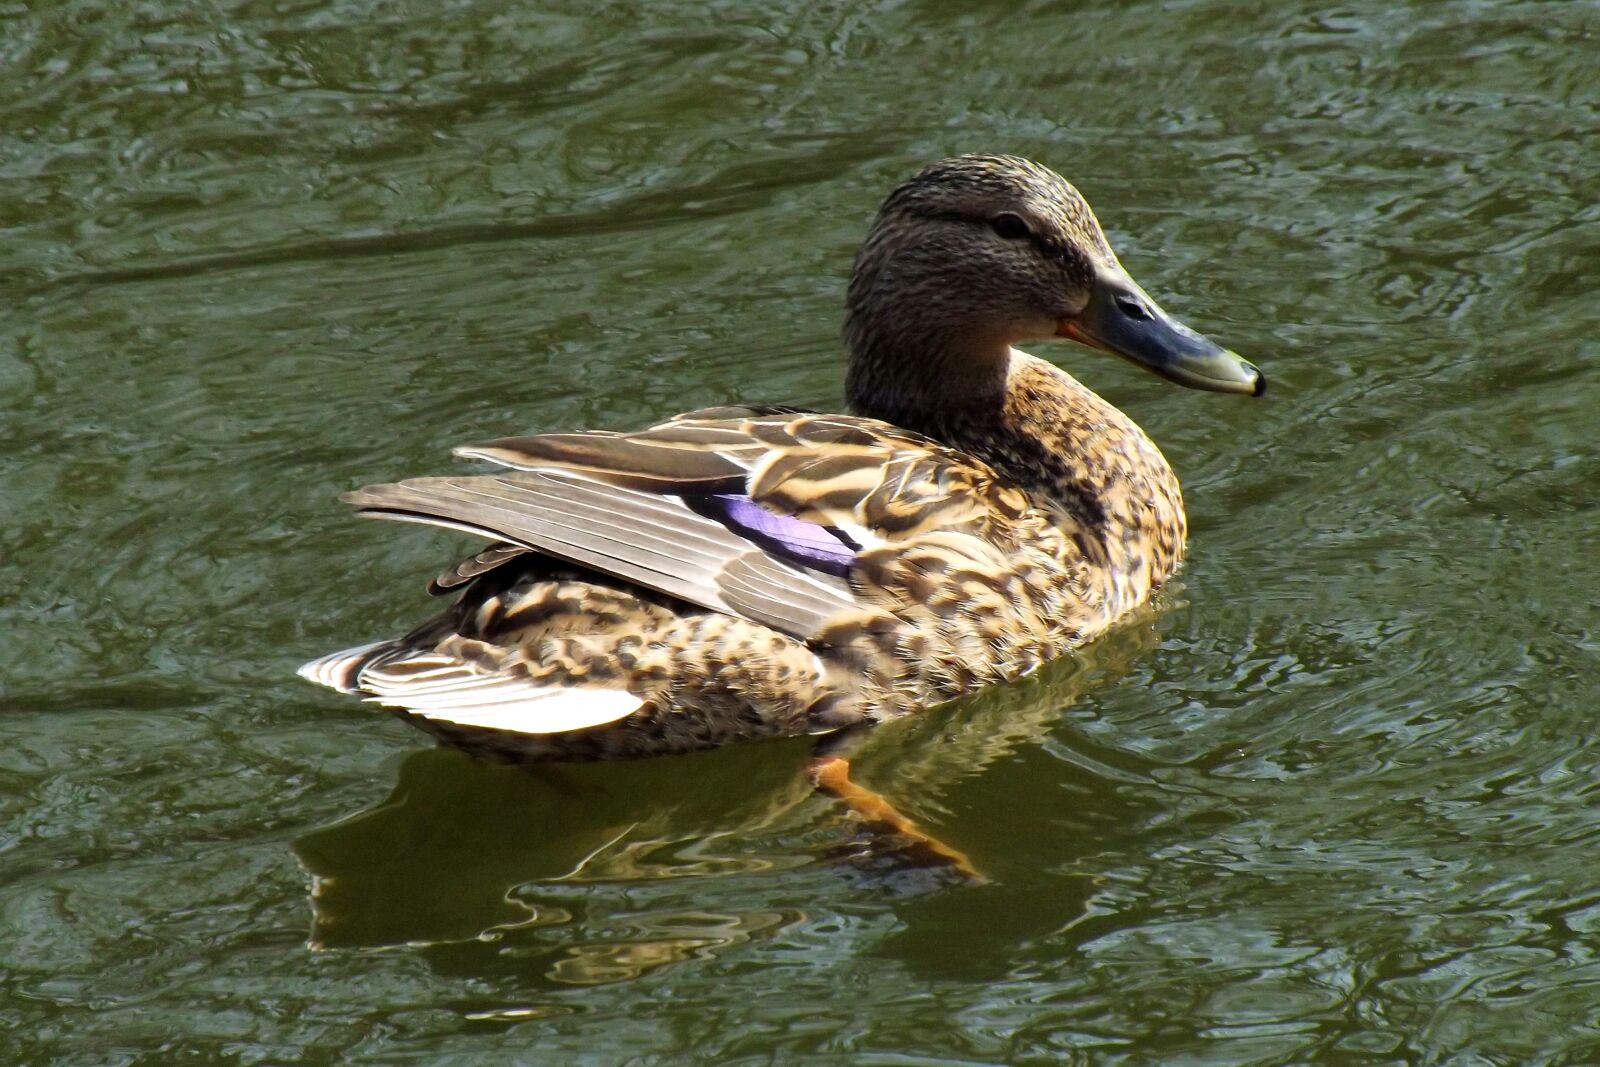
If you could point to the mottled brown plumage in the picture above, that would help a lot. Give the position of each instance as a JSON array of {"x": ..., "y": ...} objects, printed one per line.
[{"x": 738, "y": 573}]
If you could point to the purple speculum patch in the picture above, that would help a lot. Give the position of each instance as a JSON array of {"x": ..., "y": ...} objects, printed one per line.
[{"x": 804, "y": 544}]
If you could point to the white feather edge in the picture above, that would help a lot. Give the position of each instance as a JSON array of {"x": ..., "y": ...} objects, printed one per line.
[
  {"x": 333, "y": 669},
  {"x": 441, "y": 689},
  {"x": 444, "y": 690},
  {"x": 536, "y": 711}
]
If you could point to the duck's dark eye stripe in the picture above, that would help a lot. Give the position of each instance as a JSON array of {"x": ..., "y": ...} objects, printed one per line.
[
  {"x": 1049, "y": 247},
  {"x": 1010, "y": 226}
]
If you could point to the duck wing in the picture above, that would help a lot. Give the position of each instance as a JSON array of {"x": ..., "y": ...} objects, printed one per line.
[{"x": 760, "y": 513}]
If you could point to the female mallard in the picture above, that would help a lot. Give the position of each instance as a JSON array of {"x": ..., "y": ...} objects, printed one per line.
[{"x": 752, "y": 572}]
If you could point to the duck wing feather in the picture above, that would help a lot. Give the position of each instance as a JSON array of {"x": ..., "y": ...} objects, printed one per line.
[{"x": 760, "y": 513}]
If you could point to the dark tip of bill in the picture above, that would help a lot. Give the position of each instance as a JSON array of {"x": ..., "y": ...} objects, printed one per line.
[{"x": 1261, "y": 385}]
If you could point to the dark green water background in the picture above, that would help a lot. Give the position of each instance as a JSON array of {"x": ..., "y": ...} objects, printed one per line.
[{"x": 1336, "y": 802}]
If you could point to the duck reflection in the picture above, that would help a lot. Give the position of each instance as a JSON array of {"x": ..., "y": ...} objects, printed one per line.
[
  {"x": 554, "y": 860},
  {"x": 453, "y": 851}
]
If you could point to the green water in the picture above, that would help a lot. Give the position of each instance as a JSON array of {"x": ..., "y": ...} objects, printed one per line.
[{"x": 1337, "y": 801}]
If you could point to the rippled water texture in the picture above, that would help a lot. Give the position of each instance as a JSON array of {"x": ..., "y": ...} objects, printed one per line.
[{"x": 1335, "y": 801}]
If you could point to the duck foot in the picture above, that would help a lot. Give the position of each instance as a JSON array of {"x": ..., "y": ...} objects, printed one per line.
[{"x": 831, "y": 775}]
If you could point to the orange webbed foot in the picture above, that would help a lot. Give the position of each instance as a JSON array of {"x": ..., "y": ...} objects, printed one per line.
[{"x": 831, "y": 775}]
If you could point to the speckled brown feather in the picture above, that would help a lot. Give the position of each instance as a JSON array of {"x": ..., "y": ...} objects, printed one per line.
[
  {"x": 1004, "y": 514},
  {"x": 972, "y": 581}
]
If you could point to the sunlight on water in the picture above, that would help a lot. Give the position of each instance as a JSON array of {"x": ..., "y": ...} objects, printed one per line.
[{"x": 1335, "y": 801}]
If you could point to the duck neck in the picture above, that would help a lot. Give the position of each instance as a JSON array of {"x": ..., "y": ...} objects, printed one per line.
[{"x": 1101, "y": 478}]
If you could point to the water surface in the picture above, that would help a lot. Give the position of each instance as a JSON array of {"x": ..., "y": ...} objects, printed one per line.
[{"x": 1335, "y": 801}]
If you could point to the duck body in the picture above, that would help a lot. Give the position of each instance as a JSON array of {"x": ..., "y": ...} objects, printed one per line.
[{"x": 741, "y": 573}]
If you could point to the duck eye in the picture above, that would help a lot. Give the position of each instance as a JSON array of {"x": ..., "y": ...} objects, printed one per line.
[
  {"x": 1010, "y": 226},
  {"x": 1133, "y": 308}
]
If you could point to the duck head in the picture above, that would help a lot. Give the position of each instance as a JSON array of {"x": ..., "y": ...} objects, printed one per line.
[{"x": 978, "y": 253}]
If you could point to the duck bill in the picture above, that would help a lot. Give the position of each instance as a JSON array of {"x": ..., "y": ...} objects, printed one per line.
[{"x": 1120, "y": 318}]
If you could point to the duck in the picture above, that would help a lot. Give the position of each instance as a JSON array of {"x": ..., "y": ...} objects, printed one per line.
[{"x": 747, "y": 572}]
